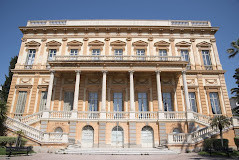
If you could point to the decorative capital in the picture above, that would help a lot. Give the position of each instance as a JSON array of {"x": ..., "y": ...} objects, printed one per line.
[
  {"x": 78, "y": 71},
  {"x": 107, "y": 39},
  {"x": 131, "y": 71},
  {"x": 192, "y": 40},
  {"x": 43, "y": 39},
  {"x": 158, "y": 71},
  {"x": 52, "y": 71},
  {"x": 183, "y": 72},
  {"x": 150, "y": 39},
  {"x": 171, "y": 40},
  {"x": 85, "y": 39},
  {"x": 104, "y": 71},
  {"x": 213, "y": 40},
  {"x": 24, "y": 39},
  {"x": 128, "y": 39},
  {"x": 64, "y": 39}
]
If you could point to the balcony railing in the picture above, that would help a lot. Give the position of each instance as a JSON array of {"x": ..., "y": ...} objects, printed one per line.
[
  {"x": 116, "y": 58},
  {"x": 208, "y": 67}
]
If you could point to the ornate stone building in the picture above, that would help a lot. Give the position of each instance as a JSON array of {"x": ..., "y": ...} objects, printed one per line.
[{"x": 118, "y": 83}]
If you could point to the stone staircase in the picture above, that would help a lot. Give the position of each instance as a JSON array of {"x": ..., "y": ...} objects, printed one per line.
[{"x": 115, "y": 151}]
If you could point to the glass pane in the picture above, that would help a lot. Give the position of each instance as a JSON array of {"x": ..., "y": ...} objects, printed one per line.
[
  {"x": 68, "y": 101},
  {"x": 43, "y": 101},
  {"x": 206, "y": 57},
  {"x": 93, "y": 101},
  {"x": 118, "y": 105},
  {"x": 21, "y": 102},
  {"x": 214, "y": 100},
  {"x": 192, "y": 100},
  {"x": 167, "y": 102},
  {"x": 74, "y": 52},
  {"x": 143, "y": 102}
]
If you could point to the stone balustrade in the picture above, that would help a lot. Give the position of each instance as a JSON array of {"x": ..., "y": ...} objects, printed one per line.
[{"x": 116, "y": 58}]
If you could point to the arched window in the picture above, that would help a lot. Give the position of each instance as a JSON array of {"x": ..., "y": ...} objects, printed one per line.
[{"x": 58, "y": 130}]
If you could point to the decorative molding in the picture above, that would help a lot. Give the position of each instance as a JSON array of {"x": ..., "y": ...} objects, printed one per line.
[
  {"x": 93, "y": 80},
  {"x": 204, "y": 44},
  {"x": 75, "y": 43},
  {"x": 33, "y": 44},
  {"x": 96, "y": 43},
  {"x": 191, "y": 81},
  {"x": 118, "y": 43},
  {"x": 161, "y": 43},
  {"x": 211, "y": 81},
  {"x": 117, "y": 80},
  {"x": 140, "y": 43},
  {"x": 142, "y": 80},
  {"x": 53, "y": 43},
  {"x": 25, "y": 80},
  {"x": 69, "y": 81},
  {"x": 64, "y": 39},
  {"x": 183, "y": 43},
  {"x": 23, "y": 86}
]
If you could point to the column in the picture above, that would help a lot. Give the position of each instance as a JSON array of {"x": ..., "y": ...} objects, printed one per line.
[
  {"x": 103, "y": 102},
  {"x": 76, "y": 93},
  {"x": 49, "y": 94},
  {"x": 159, "y": 93},
  {"x": 132, "y": 106},
  {"x": 188, "y": 108},
  {"x": 215, "y": 52}
]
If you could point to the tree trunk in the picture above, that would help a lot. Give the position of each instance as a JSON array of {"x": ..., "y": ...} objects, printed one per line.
[{"x": 221, "y": 137}]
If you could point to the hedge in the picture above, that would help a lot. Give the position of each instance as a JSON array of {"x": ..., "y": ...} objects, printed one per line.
[
  {"x": 236, "y": 140},
  {"x": 214, "y": 144},
  {"x": 4, "y": 141}
]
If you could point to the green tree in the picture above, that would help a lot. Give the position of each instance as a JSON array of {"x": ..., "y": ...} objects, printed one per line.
[
  {"x": 220, "y": 122},
  {"x": 235, "y": 48},
  {"x": 3, "y": 110},
  {"x": 4, "y": 96},
  {"x": 8, "y": 80}
]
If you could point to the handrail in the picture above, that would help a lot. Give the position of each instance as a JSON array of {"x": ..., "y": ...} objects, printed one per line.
[{"x": 115, "y": 58}]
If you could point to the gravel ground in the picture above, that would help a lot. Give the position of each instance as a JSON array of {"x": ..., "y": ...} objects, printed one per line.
[{"x": 51, "y": 156}]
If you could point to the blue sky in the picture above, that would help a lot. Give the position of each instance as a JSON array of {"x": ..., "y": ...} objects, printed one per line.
[{"x": 221, "y": 13}]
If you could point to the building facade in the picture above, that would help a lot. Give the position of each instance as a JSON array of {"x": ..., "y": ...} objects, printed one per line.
[{"x": 118, "y": 83}]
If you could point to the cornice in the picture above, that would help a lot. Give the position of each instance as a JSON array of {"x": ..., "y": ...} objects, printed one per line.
[{"x": 118, "y": 29}]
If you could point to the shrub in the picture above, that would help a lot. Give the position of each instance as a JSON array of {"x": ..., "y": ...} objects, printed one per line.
[
  {"x": 236, "y": 140},
  {"x": 4, "y": 141},
  {"x": 214, "y": 144}
]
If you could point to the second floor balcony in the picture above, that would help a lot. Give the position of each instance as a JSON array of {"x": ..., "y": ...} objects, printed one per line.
[{"x": 99, "y": 58}]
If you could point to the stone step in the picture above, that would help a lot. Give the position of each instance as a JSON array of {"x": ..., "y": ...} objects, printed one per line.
[{"x": 116, "y": 151}]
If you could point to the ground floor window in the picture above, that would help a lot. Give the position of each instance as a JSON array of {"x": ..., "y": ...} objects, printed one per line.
[{"x": 21, "y": 102}]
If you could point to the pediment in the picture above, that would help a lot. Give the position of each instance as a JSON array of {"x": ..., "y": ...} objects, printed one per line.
[
  {"x": 53, "y": 43},
  {"x": 204, "y": 44},
  {"x": 161, "y": 43},
  {"x": 32, "y": 44},
  {"x": 183, "y": 43},
  {"x": 96, "y": 43},
  {"x": 74, "y": 43},
  {"x": 140, "y": 43},
  {"x": 118, "y": 43}
]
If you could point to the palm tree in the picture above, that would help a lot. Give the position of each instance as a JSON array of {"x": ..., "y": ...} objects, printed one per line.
[
  {"x": 220, "y": 122},
  {"x": 235, "y": 48}
]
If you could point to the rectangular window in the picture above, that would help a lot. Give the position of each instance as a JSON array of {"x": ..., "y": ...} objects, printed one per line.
[
  {"x": 74, "y": 52},
  {"x": 68, "y": 101},
  {"x": 185, "y": 57},
  {"x": 95, "y": 54},
  {"x": 206, "y": 60},
  {"x": 214, "y": 100},
  {"x": 192, "y": 100},
  {"x": 143, "y": 102},
  {"x": 30, "y": 58},
  {"x": 167, "y": 102},
  {"x": 118, "y": 105},
  {"x": 21, "y": 102},
  {"x": 43, "y": 101},
  {"x": 52, "y": 54},
  {"x": 93, "y": 101},
  {"x": 140, "y": 54},
  {"x": 118, "y": 54},
  {"x": 163, "y": 54}
]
